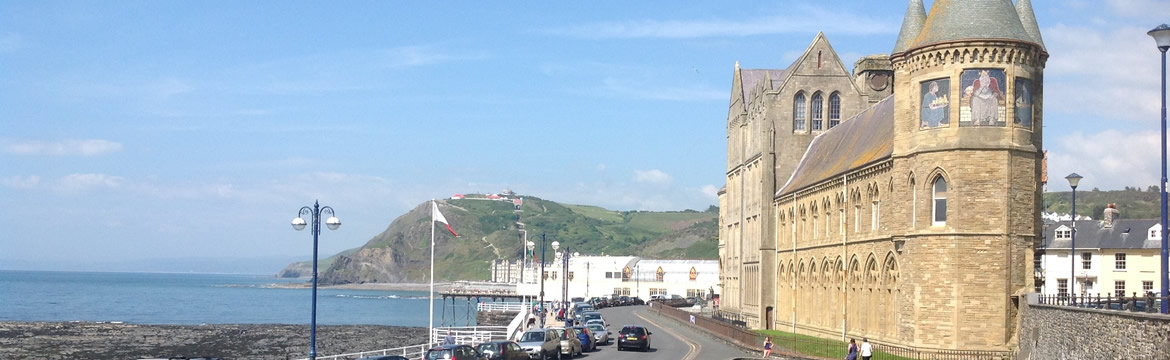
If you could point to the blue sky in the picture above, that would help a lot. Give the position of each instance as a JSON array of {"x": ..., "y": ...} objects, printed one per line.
[{"x": 167, "y": 129}]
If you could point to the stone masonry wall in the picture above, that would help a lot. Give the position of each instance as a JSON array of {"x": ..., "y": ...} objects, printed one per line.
[{"x": 1060, "y": 333}]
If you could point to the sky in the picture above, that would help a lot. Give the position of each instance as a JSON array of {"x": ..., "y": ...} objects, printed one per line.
[{"x": 134, "y": 131}]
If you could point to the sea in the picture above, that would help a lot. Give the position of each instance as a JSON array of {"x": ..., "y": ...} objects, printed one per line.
[{"x": 193, "y": 299}]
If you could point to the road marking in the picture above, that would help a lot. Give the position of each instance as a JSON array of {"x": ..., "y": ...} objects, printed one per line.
[{"x": 695, "y": 348}]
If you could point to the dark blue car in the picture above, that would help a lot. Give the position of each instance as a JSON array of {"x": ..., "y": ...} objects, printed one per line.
[{"x": 586, "y": 337}]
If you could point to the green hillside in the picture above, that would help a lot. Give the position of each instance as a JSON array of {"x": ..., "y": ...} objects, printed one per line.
[
  {"x": 488, "y": 231},
  {"x": 1134, "y": 203}
]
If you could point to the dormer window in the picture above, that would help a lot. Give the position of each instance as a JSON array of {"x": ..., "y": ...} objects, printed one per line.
[
  {"x": 1155, "y": 232},
  {"x": 1063, "y": 233}
]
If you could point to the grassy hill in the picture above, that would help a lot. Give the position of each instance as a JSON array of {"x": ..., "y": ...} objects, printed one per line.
[
  {"x": 489, "y": 231},
  {"x": 1134, "y": 203}
]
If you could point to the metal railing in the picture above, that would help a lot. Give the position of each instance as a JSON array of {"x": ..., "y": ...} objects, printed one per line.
[
  {"x": 502, "y": 306},
  {"x": 410, "y": 352},
  {"x": 1133, "y": 303},
  {"x": 471, "y": 335}
]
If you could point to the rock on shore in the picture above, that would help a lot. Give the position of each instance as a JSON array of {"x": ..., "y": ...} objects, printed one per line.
[{"x": 83, "y": 340}]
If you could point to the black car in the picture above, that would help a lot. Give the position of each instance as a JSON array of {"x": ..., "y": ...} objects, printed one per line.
[
  {"x": 453, "y": 352},
  {"x": 637, "y": 301},
  {"x": 633, "y": 336},
  {"x": 502, "y": 350},
  {"x": 386, "y": 357},
  {"x": 625, "y": 300}
]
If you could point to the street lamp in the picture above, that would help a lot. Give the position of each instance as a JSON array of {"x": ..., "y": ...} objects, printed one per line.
[
  {"x": 299, "y": 223},
  {"x": 556, "y": 245},
  {"x": 531, "y": 246},
  {"x": 1073, "y": 181},
  {"x": 1161, "y": 35},
  {"x": 542, "y": 261},
  {"x": 523, "y": 254}
]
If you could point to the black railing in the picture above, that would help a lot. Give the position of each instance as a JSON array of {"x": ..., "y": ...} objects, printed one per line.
[{"x": 1148, "y": 303}]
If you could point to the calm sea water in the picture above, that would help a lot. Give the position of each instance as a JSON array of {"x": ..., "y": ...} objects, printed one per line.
[{"x": 149, "y": 298}]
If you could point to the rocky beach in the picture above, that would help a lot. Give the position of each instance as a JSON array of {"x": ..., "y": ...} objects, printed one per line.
[{"x": 88, "y": 340}]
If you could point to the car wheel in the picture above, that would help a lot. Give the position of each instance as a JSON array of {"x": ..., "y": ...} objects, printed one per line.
[{"x": 559, "y": 354}]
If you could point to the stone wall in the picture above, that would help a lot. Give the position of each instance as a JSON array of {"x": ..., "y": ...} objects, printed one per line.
[
  {"x": 494, "y": 318},
  {"x": 1061, "y": 332}
]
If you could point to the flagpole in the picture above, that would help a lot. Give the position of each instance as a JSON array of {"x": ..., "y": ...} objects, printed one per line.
[{"x": 431, "y": 319}]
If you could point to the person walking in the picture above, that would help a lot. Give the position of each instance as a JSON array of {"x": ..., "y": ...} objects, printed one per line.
[
  {"x": 851, "y": 353},
  {"x": 767, "y": 346},
  {"x": 866, "y": 349}
]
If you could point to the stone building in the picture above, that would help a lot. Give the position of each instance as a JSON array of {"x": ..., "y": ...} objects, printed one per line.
[{"x": 945, "y": 133}]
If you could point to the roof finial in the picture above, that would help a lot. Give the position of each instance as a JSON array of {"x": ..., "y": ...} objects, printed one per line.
[
  {"x": 737, "y": 64},
  {"x": 911, "y": 26},
  {"x": 1028, "y": 19}
]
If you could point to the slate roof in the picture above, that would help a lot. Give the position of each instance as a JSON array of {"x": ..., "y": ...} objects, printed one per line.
[
  {"x": 911, "y": 26},
  {"x": 951, "y": 20},
  {"x": 1092, "y": 234},
  {"x": 749, "y": 78},
  {"x": 857, "y": 142}
]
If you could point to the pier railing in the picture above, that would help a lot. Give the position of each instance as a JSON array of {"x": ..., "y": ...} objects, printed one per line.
[
  {"x": 471, "y": 335},
  {"x": 410, "y": 352},
  {"x": 501, "y": 306}
]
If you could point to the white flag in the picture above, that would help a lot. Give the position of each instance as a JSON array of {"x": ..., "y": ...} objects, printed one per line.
[{"x": 438, "y": 216}]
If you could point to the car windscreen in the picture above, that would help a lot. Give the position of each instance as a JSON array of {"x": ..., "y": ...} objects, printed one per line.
[
  {"x": 596, "y": 327},
  {"x": 588, "y": 317},
  {"x": 637, "y": 331},
  {"x": 566, "y": 334},
  {"x": 532, "y": 336},
  {"x": 439, "y": 354}
]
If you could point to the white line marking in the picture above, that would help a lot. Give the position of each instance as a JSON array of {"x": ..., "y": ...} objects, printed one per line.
[{"x": 695, "y": 348}]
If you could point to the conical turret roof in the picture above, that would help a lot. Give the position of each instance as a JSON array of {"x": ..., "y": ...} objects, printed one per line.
[
  {"x": 1028, "y": 20},
  {"x": 911, "y": 26},
  {"x": 952, "y": 20}
]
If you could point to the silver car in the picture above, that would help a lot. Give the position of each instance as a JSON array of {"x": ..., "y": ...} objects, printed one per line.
[
  {"x": 600, "y": 333},
  {"x": 541, "y": 344},
  {"x": 570, "y": 344}
]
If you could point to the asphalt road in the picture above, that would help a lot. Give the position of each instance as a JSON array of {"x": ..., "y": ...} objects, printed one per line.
[{"x": 669, "y": 339}]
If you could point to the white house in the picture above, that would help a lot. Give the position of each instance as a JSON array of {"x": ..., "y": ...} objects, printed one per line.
[{"x": 590, "y": 276}]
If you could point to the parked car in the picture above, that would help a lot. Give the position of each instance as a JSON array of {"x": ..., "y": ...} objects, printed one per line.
[
  {"x": 453, "y": 352},
  {"x": 600, "y": 332},
  {"x": 625, "y": 300},
  {"x": 637, "y": 301},
  {"x": 633, "y": 336},
  {"x": 676, "y": 301},
  {"x": 588, "y": 344},
  {"x": 385, "y": 357},
  {"x": 541, "y": 344},
  {"x": 585, "y": 317},
  {"x": 578, "y": 299},
  {"x": 501, "y": 350},
  {"x": 570, "y": 344},
  {"x": 595, "y": 321},
  {"x": 603, "y": 303}
]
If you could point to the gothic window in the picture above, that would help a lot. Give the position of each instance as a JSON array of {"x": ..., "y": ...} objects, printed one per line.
[
  {"x": 834, "y": 110},
  {"x": 913, "y": 205},
  {"x": 875, "y": 210},
  {"x": 940, "y": 201},
  {"x": 817, "y": 111},
  {"x": 798, "y": 112}
]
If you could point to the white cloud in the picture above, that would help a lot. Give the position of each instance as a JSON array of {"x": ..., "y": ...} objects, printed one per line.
[
  {"x": 654, "y": 176},
  {"x": 800, "y": 20},
  {"x": 83, "y": 182},
  {"x": 1107, "y": 160},
  {"x": 63, "y": 148},
  {"x": 711, "y": 191},
  {"x": 1112, "y": 73},
  {"x": 21, "y": 182}
]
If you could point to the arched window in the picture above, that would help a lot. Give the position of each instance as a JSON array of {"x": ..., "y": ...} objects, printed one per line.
[
  {"x": 818, "y": 110},
  {"x": 834, "y": 110},
  {"x": 876, "y": 210},
  {"x": 939, "y": 194},
  {"x": 913, "y": 205},
  {"x": 658, "y": 275},
  {"x": 798, "y": 112}
]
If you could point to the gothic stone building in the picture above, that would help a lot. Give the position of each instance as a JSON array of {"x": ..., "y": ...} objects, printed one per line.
[{"x": 898, "y": 202}]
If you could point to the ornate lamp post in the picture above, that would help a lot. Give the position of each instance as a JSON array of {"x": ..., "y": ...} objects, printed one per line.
[
  {"x": 1073, "y": 181},
  {"x": 541, "y": 304},
  {"x": 531, "y": 246},
  {"x": 299, "y": 223},
  {"x": 556, "y": 245},
  {"x": 1161, "y": 35}
]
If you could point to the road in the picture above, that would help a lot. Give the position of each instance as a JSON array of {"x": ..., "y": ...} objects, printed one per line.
[{"x": 669, "y": 339}]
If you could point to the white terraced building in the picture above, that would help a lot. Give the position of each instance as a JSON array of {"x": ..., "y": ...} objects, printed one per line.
[{"x": 590, "y": 276}]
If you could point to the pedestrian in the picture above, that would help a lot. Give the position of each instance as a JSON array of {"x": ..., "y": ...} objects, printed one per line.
[
  {"x": 449, "y": 340},
  {"x": 852, "y": 352},
  {"x": 866, "y": 349},
  {"x": 767, "y": 346}
]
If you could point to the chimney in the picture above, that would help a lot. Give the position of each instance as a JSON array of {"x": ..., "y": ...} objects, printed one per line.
[{"x": 1110, "y": 212}]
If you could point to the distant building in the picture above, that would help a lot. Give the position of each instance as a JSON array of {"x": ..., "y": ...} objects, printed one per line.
[
  {"x": 1114, "y": 257},
  {"x": 591, "y": 276}
]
